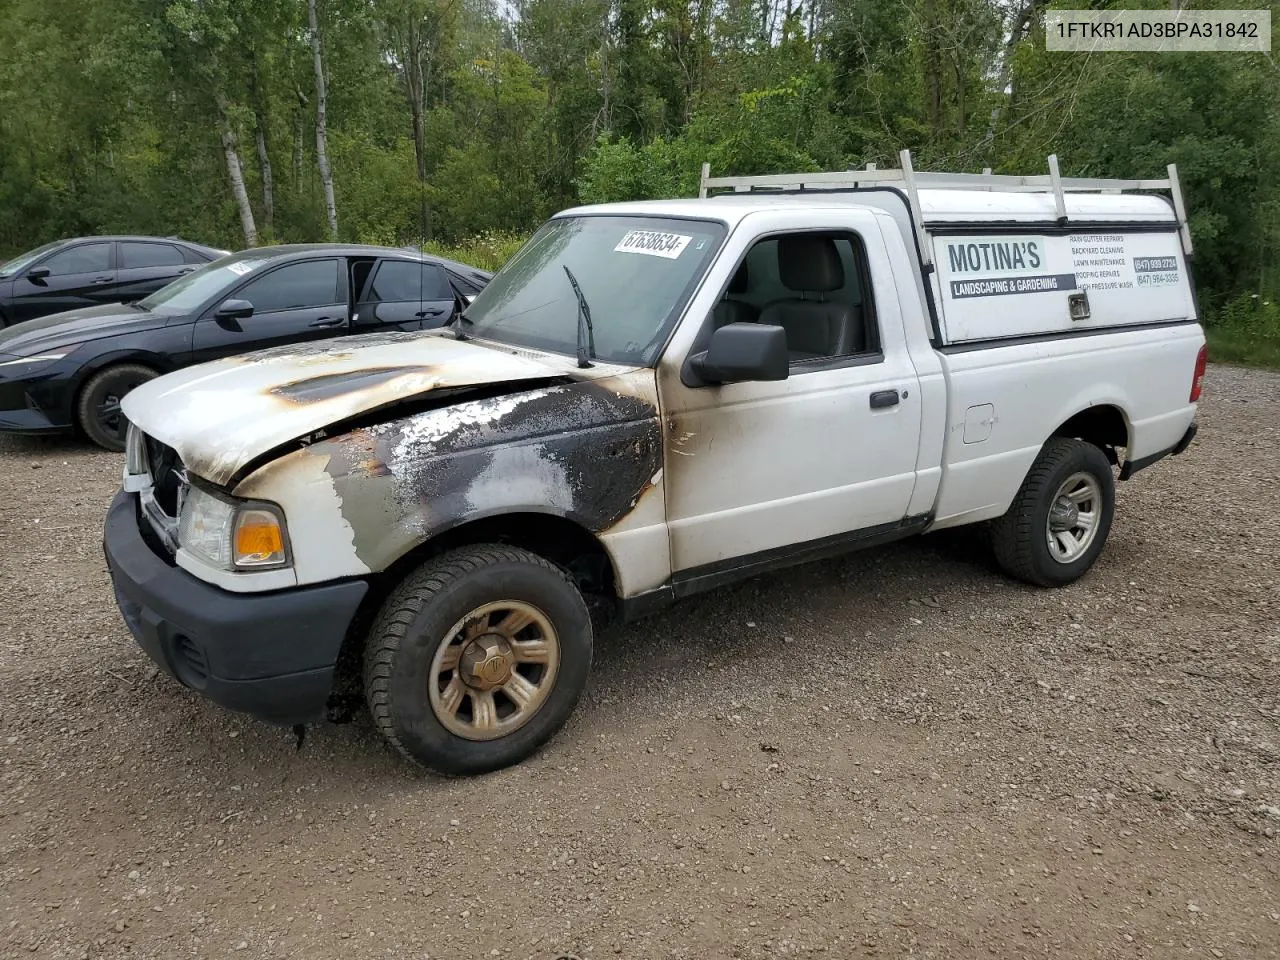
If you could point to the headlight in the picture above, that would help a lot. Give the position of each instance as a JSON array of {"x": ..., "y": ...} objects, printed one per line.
[
  {"x": 135, "y": 452},
  {"x": 232, "y": 534},
  {"x": 24, "y": 364}
]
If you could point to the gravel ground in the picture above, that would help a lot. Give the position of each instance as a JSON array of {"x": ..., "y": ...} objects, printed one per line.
[{"x": 900, "y": 752}]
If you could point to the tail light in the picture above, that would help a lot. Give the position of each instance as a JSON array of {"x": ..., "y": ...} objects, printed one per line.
[{"x": 1197, "y": 381}]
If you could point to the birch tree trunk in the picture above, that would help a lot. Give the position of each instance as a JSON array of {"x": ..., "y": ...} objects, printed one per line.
[
  {"x": 299, "y": 126},
  {"x": 268, "y": 179},
  {"x": 261, "y": 125},
  {"x": 322, "y": 134},
  {"x": 230, "y": 149}
]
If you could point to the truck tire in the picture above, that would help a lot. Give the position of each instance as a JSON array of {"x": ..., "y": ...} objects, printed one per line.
[
  {"x": 477, "y": 658},
  {"x": 1059, "y": 521},
  {"x": 98, "y": 410}
]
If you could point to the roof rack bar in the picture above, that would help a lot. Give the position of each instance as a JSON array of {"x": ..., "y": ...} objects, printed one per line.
[
  {"x": 917, "y": 214},
  {"x": 1179, "y": 209},
  {"x": 1059, "y": 201},
  {"x": 912, "y": 182},
  {"x": 849, "y": 179}
]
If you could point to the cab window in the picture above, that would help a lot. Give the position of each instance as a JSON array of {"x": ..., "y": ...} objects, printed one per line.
[{"x": 814, "y": 286}]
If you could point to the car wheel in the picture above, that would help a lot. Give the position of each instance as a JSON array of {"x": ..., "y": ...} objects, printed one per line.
[
  {"x": 1059, "y": 521},
  {"x": 99, "y": 412},
  {"x": 477, "y": 659}
]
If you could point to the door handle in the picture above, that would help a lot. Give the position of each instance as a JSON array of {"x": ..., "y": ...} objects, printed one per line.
[
  {"x": 424, "y": 314},
  {"x": 326, "y": 322},
  {"x": 884, "y": 398},
  {"x": 101, "y": 279}
]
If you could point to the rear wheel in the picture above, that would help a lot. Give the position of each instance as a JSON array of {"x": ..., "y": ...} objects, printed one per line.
[
  {"x": 477, "y": 659},
  {"x": 99, "y": 411},
  {"x": 1059, "y": 521}
]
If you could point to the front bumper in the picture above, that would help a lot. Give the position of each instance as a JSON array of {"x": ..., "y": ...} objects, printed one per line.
[
  {"x": 21, "y": 413},
  {"x": 271, "y": 655}
]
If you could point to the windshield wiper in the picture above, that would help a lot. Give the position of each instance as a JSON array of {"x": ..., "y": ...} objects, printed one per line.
[
  {"x": 453, "y": 322},
  {"x": 587, "y": 344}
]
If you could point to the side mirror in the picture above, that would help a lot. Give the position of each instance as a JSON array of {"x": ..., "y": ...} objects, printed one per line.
[
  {"x": 743, "y": 351},
  {"x": 234, "y": 310},
  {"x": 37, "y": 274}
]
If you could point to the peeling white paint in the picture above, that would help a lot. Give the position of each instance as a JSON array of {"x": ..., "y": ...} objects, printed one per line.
[
  {"x": 428, "y": 429},
  {"x": 323, "y": 542},
  {"x": 520, "y": 474}
]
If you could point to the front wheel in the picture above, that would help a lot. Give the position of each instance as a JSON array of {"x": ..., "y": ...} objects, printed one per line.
[
  {"x": 99, "y": 411},
  {"x": 477, "y": 659},
  {"x": 1059, "y": 521}
]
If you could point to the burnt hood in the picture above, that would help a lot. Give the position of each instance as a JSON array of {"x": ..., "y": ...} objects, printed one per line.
[{"x": 220, "y": 416}]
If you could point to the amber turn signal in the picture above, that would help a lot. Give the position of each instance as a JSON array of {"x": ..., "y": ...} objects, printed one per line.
[{"x": 259, "y": 539}]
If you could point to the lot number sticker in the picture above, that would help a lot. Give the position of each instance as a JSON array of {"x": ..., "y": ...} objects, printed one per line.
[{"x": 653, "y": 243}]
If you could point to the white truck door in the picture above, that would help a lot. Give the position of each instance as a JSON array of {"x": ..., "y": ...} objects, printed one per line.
[{"x": 829, "y": 452}]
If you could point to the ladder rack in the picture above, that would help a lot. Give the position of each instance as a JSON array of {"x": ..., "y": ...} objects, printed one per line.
[{"x": 912, "y": 182}]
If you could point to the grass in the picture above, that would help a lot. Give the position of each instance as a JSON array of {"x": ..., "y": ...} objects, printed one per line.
[
  {"x": 489, "y": 251},
  {"x": 1244, "y": 347},
  {"x": 1246, "y": 331}
]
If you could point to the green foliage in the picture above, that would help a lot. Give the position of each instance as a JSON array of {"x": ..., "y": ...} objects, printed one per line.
[
  {"x": 488, "y": 251},
  {"x": 450, "y": 121},
  {"x": 1246, "y": 330}
]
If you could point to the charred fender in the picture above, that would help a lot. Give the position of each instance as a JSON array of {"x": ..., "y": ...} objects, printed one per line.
[{"x": 590, "y": 452}]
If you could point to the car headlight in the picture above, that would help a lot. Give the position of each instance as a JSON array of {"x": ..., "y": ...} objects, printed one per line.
[
  {"x": 26, "y": 364},
  {"x": 135, "y": 452},
  {"x": 232, "y": 534}
]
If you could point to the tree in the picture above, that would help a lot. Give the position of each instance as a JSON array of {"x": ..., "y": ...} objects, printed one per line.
[{"x": 322, "y": 130}]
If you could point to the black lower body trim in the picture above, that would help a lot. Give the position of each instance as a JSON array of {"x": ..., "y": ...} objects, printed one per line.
[
  {"x": 271, "y": 655},
  {"x": 1133, "y": 466},
  {"x": 723, "y": 572}
]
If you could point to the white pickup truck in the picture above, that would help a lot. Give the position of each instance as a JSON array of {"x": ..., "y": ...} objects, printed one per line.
[{"x": 648, "y": 401}]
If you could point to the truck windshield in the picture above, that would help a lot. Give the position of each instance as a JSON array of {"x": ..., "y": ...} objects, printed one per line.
[{"x": 637, "y": 273}]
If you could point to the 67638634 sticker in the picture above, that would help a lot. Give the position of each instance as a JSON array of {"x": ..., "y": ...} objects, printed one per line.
[{"x": 653, "y": 243}]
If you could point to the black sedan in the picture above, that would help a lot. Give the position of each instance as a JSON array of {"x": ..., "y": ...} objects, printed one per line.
[
  {"x": 69, "y": 371},
  {"x": 87, "y": 271}
]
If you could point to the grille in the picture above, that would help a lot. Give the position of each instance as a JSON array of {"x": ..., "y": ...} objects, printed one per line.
[{"x": 166, "y": 475}]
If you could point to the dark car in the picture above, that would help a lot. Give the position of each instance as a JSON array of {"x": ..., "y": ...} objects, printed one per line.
[
  {"x": 87, "y": 271},
  {"x": 69, "y": 371}
]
